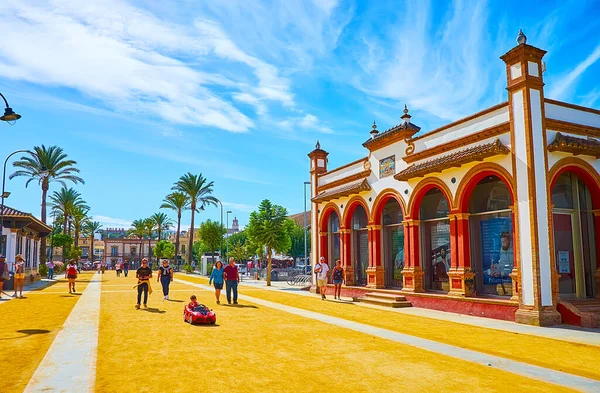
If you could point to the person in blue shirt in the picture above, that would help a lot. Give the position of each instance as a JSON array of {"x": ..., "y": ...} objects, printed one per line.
[{"x": 216, "y": 278}]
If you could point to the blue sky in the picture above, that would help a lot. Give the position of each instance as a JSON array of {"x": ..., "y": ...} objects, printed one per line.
[{"x": 140, "y": 92}]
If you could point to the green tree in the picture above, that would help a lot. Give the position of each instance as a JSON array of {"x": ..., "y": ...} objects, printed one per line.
[
  {"x": 198, "y": 190},
  {"x": 138, "y": 229},
  {"x": 199, "y": 248},
  {"x": 46, "y": 164},
  {"x": 211, "y": 233},
  {"x": 162, "y": 222},
  {"x": 79, "y": 216},
  {"x": 240, "y": 252},
  {"x": 63, "y": 241},
  {"x": 164, "y": 249},
  {"x": 65, "y": 201},
  {"x": 297, "y": 236},
  {"x": 269, "y": 227},
  {"x": 177, "y": 201}
]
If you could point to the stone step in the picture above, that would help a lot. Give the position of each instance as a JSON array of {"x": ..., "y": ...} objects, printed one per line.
[
  {"x": 385, "y": 302},
  {"x": 386, "y": 296}
]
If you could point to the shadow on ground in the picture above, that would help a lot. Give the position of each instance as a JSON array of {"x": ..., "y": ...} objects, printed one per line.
[{"x": 153, "y": 310}]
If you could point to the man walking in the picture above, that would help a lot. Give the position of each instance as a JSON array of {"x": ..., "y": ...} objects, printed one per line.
[
  {"x": 126, "y": 267},
  {"x": 232, "y": 278},
  {"x": 143, "y": 274},
  {"x": 322, "y": 270}
]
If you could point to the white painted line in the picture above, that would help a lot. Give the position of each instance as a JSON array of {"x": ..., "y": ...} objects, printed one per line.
[
  {"x": 70, "y": 363},
  {"x": 512, "y": 366}
]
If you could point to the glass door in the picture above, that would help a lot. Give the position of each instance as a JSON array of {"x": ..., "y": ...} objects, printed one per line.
[
  {"x": 361, "y": 257},
  {"x": 565, "y": 254}
]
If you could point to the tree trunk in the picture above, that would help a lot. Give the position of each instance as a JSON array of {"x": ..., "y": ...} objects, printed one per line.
[
  {"x": 65, "y": 222},
  {"x": 43, "y": 240},
  {"x": 269, "y": 266},
  {"x": 149, "y": 249},
  {"x": 141, "y": 252},
  {"x": 191, "y": 242},
  {"x": 177, "y": 235}
]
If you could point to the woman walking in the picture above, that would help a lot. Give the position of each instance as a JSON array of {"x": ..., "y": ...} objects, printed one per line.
[
  {"x": 4, "y": 274},
  {"x": 19, "y": 275},
  {"x": 338, "y": 279},
  {"x": 71, "y": 275},
  {"x": 165, "y": 276},
  {"x": 217, "y": 276},
  {"x": 50, "y": 266},
  {"x": 118, "y": 268}
]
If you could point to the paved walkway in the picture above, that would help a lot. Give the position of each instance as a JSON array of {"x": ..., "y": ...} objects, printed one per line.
[
  {"x": 70, "y": 363},
  {"x": 524, "y": 369},
  {"x": 29, "y": 288},
  {"x": 561, "y": 332}
]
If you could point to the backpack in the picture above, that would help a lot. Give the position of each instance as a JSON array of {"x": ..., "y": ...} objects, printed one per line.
[{"x": 72, "y": 271}]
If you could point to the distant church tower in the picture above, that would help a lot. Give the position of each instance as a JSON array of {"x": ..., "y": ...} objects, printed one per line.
[{"x": 235, "y": 227}]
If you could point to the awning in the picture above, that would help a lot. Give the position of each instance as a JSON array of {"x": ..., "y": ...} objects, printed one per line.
[
  {"x": 575, "y": 146},
  {"x": 453, "y": 160},
  {"x": 343, "y": 191}
]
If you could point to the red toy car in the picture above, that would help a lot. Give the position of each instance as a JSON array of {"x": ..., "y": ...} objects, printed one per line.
[{"x": 199, "y": 314}]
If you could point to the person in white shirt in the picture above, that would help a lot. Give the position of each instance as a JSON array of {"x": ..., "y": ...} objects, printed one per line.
[{"x": 322, "y": 271}]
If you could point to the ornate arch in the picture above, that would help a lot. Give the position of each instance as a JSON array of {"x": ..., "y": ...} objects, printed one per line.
[
  {"x": 325, "y": 213},
  {"x": 382, "y": 199},
  {"x": 350, "y": 207},
  {"x": 421, "y": 189},
  {"x": 582, "y": 169},
  {"x": 474, "y": 176}
]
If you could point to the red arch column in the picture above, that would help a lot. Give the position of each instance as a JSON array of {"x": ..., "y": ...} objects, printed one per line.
[
  {"x": 375, "y": 274},
  {"x": 346, "y": 255},
  {"x": 323, "y": 245},
  {"x": 412, "y": 274},
  {"x": 597, "y": 230},
  {"x": 461, "y": 275}
]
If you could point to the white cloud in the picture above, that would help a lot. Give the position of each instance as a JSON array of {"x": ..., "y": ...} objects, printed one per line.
[
  {"x": 112, "y": 222},
  {"x": 247, "y": 98},
  {"x": 134, "y": 62},
  {"x": 561, "y": 86},
  {"x": 239, "y": 207}
]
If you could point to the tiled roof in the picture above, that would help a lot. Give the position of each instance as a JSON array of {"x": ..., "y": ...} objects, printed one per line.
[
  {"x": 343, "y": 190},
  {"x": 299, "y": 218},
  {"x": 410, "y": 127},
  {"x": 10, "y": 212},
  {"x": 452, "y": 160},
  {"x": 574, "y": 145}
]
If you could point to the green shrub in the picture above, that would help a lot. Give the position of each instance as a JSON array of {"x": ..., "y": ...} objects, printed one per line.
[
  {"x": 188, "y": 268},
  {"x": 43, "y": 270}
]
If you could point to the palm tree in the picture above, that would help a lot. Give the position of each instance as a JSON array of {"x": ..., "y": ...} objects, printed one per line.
[
  {"x": 199, "y": 191},
  {"x": 177, "y": 201},
  {"x": 79, "y": 216},
  {"x": 65, "y": 201},
  {"x": 46, "y": 164},
  {"x": 91, "y": 227},
  {"x": 139, "y": 230},
  {"x": 162, "y": 222}
]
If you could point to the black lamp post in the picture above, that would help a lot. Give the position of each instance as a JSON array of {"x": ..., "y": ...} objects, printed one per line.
[
  {"x": 4, "y": 193},
  {"x": 9, "y": 115}
]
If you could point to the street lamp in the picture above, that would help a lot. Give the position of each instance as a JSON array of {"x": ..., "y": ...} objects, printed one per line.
[
  {"x": 9, "y": 115},
  {"x": 227, "y": 234},
  {"x": 4, "y": 195},
  {"x": 221, "y": 229},
  {"x": 305, "y": 248}
]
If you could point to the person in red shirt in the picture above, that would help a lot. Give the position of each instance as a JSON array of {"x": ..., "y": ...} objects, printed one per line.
[
  {"x": 193, "y": 302},
  {"x": 232, "y": 278},
  {"x": 71, "y": 275}
]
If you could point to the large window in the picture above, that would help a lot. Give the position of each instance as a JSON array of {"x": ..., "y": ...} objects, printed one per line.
[
  {"x": 574, "y": 234},
  {"x": 334, "y": 239},
  {"x": 393, "y": 243},
  {"x": 435, "y": 230},
  {"x": 360, "y": 241},
  {"x": 114, "y": 251},
  {"x": 28, "y": 252},
  {"x": 491, "y": 232}
]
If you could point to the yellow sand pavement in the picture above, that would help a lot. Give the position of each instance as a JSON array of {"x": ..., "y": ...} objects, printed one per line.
[
  {"x": 28, "y": 327},
  {"x": 573, "y": 358},
  {"x": 259, "y": 349}
]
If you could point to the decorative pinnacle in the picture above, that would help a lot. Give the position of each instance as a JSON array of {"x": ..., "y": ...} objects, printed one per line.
[
  {"x": 406, "y": 117},
  {"x": 374, "y": 130},
  {"x": 521, "y": 38},
  {"x": 318, "y": 146}
]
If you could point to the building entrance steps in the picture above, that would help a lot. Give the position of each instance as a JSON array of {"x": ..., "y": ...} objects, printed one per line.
[
  {"x": 385, "y": 299},
  {"x": 580, "y": 312}
]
